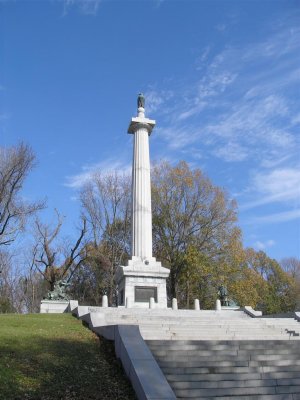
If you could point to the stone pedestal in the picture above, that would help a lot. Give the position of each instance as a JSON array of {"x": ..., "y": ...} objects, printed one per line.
[
  {"x": 140, "y": 281},
  {"x": 54, "y": 306}
]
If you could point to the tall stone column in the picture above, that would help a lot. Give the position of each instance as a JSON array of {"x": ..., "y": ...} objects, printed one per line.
[
  {"x": 144, "y": 277},
  {"x": 141, "y": 233}
]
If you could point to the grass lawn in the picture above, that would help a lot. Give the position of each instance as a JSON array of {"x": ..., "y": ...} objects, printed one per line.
[{"x": 53, "y": 356}]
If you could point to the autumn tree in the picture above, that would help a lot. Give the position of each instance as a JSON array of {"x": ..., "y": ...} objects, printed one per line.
[
  {"x": 280, "y": 291},
  {"x": 195, "y": 234},
  {"x": 291, "y": 265},
  {"x": 53, "y": 258},
  {"x": 15, "y": 165},
  {"x": 196, "y": 280},
  {"x": 188, "y": 210}
]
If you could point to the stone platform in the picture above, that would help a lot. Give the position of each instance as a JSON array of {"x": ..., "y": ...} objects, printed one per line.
[{"x": 54, "y": 306}]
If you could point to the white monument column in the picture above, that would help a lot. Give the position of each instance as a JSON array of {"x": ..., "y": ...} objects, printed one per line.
[
  {"x": 144, "y": 277},
  {"x": 141, "y": 233}
]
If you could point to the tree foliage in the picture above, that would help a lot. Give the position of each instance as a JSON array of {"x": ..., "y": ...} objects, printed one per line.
[
  {"x": 195, "y": 234},
  {"x": 188, "y": 210}
]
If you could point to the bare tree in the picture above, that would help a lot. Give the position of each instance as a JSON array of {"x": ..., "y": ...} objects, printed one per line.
[
  {"x": 33, "y": 289},
  {"x": 106, "y": 204},
  {"x": 53, "y": 259},
  {"x": 15, "y": 164},
  {"x": 11, "y": 287},
  {"x": 291, "y": 265}
]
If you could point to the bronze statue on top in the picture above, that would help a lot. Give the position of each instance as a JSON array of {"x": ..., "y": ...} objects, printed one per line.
[{"x": 141, "y": 101}]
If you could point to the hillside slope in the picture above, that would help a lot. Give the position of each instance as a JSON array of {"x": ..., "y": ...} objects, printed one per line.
[{"x": 47, "y": 357}]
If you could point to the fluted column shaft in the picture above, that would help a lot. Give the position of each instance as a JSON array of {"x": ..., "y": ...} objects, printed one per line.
[{"x": 141, "y": 241}]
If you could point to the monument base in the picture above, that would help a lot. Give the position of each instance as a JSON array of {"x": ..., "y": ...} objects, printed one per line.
[
  {"x": 54, "y": 306},
  {"x": 140, "y": 281}
]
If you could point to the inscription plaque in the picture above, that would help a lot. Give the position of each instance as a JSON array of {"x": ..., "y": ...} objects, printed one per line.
[{"x": 143, "y": 294}]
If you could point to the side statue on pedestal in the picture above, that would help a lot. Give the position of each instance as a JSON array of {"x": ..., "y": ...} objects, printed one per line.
[
  {"x": 223, "y": 293},
  {"x": 59, "y": 291},
  {"x": 223, "y": 296}
]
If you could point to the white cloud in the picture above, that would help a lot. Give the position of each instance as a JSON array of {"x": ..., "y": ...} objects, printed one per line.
[
  {"x": 88, "y": 171},
  {"x": 4, "y": 116},
  {"x": 221, "y": 27},
  {"x": 283, "y": 182},
  {"x": 158, "y": 3},
  {"x": 201, "y": 60},
  {"x": 178, "y": 138},
  {"x": 278, "y": 217},
  {"x": 231, "y": 152},
  {"x": 264, "y": 245},
  {"x": 239, "y": 108},
  {"x": 215, "y": 83},
  {"x": 296, "y": 119},
  {"x": 156, "y": 99},
  {"x": 252, "y": 120},
  {"x": 275, "y": 46},
  {"x": 85, "y": 7},
  {"x": 279, "y": 185},
  {"x": 271, "y": 162},
  {"x": 192, "y": 111}
]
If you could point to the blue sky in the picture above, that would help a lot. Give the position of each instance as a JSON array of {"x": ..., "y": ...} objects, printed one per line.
[{"x": 221, "y": 79}]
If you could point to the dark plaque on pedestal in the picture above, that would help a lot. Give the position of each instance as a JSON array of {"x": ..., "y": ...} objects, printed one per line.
[{"x": 142, "y": 294}]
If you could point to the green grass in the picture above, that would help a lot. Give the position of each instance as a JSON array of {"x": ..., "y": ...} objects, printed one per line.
[{"x": 53, "y": 356}]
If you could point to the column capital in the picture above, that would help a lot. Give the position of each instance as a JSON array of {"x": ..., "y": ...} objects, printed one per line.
[{"x": 139, "y": 123}]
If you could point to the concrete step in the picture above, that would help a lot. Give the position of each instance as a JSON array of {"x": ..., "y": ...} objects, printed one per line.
[
  {"x": 169, "y": 313},
  {"x": 230, "y": 369},
  {"x": 237, "y": 391},
  {"x": 242, "y": 344},
  {"x": 211, "y": 377},
  {"x": 227, "y": 363},
  {"x": 250, "y": 397},
  {"x": 225, "y": 357},
  {"x": 222, "y": 384},
  {"x": 174, "y": 336},
  {"x": 278, "y": 372},
  {"x": 219, "y": 328},
  {"x": 230, "y": 352},
  {"x": 283, "y": 377}
]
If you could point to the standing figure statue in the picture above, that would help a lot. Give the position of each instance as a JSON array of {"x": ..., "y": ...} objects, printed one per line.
[
  {"x": 223, "y": 293},
  {"x": 141, "y": 101}
]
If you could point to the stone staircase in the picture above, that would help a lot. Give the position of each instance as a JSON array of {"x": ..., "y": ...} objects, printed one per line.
[
  {"x": 215, "y": 354},
  {"x": 201, "y": 325},
  {"x": 239, "y": 369}
]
